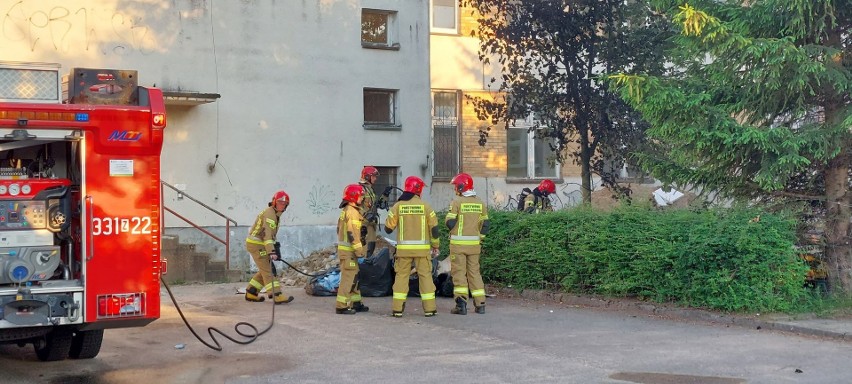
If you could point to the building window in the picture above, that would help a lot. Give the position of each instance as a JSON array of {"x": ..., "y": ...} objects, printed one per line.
[
  {"x": 387, "y": 176},
  {"x": 529, "y": 156},
  {"x": 445, "y": 133},
  {"x": 379, "y": 107},
  {"x": 378, "y": 29},
  {"x": 445, "y": 16}
]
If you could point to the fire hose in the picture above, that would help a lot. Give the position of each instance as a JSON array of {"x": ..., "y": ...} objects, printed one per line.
[
  {"x": 251, "y": 335},
  {"x": 238, "y": 327}
]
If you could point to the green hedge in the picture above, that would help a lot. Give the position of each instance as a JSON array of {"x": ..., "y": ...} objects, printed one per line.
[{"x": 732, "y": 259}]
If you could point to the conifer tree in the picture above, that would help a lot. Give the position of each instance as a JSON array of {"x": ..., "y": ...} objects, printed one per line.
[{"x": 757, "y": 106}]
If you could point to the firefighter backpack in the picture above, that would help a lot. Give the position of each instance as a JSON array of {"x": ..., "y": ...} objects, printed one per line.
[{"x": 521, "y": 197}]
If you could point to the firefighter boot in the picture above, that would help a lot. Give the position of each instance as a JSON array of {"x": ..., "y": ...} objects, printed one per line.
[
  {"x": 253, "y": 295},
  {"x": 279, "y": 298},
  {"x": 461, "y": 307},
  {"x": 345, "y": 311},
  {"x": 399, "y": 313},
  {"x": 480, "y": 309},
  {"x": 360, "y": 307}
]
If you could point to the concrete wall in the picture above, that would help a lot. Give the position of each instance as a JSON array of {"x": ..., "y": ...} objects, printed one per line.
[
  {"x": 296, "y": 242},
  {"x": 290, "y": 75}
]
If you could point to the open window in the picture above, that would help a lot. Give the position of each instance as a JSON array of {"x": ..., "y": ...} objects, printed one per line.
[{"x": 378, "y": 29}]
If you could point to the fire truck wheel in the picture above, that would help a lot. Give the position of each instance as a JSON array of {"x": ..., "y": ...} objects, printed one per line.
[
  {"x": 86, "y": 344},
  {"x": 54, "y": 346}
]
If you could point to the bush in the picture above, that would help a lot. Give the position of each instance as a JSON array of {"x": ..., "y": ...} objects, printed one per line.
[{"x": 732, "y": 259}]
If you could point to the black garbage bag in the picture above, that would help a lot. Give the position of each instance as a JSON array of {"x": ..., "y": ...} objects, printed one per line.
[
  {"x": 325, "y": 284},
  {"x": 413, "y": 286},
  {"x": 375, "y": 275},
  {"x": 444, "y": 285}
]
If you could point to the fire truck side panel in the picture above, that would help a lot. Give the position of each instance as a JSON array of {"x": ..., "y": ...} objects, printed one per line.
[
  {"x": 95, "y": 265},
  {"x": 122, "y": 204}
]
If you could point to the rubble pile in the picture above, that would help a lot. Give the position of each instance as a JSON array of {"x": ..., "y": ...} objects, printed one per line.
[{"x": 318, "y": 261}]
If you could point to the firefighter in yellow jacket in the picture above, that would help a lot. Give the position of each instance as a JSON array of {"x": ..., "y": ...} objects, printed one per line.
[
  {"x": 468, "y": 222},
  {"x": 539, "y": 200},
  {"x": 417, "y": 240},
  {"x": 350, "y": 246},
  {"x": 261, "y": 246},
  {"x": 369, "y": 174}
]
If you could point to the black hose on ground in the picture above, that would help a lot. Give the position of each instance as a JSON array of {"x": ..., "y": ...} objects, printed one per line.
[{"x": 251, "y": 336}]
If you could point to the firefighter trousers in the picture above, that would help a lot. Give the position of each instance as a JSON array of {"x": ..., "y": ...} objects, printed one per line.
[
  {"x": 263, "y": 278},
  {"x": 348, "y": 292},
  {"x": 402, "y": 266},
  {"x": 464, "y": 268}
]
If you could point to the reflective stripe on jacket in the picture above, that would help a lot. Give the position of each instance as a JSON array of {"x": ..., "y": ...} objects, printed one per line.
[
  {"x": 534, "y": 203},
  {"x": 264, "y": 232},
  {"x": 469, "y": 213},
  {"x": 413, "y": 219},
  {"x": 369, "y": 198},
  {"x": 349, "y": 231}
]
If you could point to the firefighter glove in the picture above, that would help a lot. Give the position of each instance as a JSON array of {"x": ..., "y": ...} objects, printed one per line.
[
  {"x": 371, "y": 217},
  {"x": 387, "y": 191}
]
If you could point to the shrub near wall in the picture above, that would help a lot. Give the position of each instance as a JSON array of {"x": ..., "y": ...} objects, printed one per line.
[{"x": 730, "y": 259}]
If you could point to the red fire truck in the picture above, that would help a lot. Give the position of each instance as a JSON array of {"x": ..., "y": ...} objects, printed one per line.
[{"x": 80, "y": 217}]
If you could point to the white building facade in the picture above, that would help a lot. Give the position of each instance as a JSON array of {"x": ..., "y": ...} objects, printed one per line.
[{"x": 263, "y": 95}]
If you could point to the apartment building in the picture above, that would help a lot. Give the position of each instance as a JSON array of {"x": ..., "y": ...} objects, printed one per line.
[
  {"x": 512, "y": 158},
  {"x": 262, "y": 96}
]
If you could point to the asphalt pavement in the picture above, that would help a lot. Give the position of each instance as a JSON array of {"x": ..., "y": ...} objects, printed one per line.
[
  {"x": 839, "y": 327},
  {"x": 525, "y": 337}
]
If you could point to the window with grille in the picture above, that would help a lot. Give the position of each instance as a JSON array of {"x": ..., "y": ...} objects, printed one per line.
[{"x": 445, "y": 133}]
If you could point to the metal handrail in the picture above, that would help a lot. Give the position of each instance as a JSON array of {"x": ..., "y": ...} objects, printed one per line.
[{"x": 226, "y": 242}]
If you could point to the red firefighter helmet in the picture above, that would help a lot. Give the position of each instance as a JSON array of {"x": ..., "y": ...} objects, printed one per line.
[
  {"x": 368, "y": 171},
  {"x": 414, "y": 185},
  {"x": 463, "y": 182},
  {"x": 281, "y": 196},
  {"x": 547, "y": 186},
  {"x": 353, "y": 192}
]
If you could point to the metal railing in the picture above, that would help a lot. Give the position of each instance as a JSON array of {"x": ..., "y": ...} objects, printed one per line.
[{"x": 226, "y": 241}]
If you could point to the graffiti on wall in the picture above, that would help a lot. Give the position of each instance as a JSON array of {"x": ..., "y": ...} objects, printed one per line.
[
  {"x": 319, "y": 199},
  {"x": 68, "y": 29}
]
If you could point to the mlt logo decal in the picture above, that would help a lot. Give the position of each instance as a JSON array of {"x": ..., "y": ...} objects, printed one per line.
[{"x": 124, "y": 136}]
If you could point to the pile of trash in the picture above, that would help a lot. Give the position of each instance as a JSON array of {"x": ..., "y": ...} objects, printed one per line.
[{"x": 317, "y": 262}]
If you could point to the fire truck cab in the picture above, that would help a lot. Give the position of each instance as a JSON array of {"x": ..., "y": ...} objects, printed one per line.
[{"x": 80, "y": 207}]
